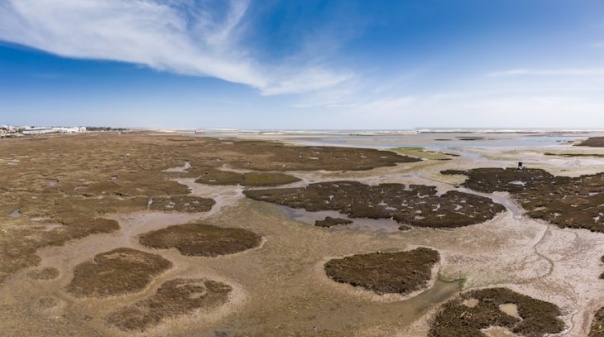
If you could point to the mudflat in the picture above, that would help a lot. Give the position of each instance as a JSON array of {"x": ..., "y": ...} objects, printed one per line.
[{"x": 148, "y": 234}]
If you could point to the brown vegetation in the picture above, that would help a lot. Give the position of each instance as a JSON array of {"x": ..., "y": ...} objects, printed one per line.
[
  {"x": 457, "y": 319},
  {"x": 399, "y": 273},
  {"x": 330, "y": 222},
  {"x": 593, "y": 142},
  {"x": 218, "y": 177},
  {"x": 174, "y": 298},
  {"x": 201, "y": 239},
  {"x": 597, "y": 326},
  {"x": 116, "y": 272},
  {"x": 417, "y": 205},
  {"x": 74, "y": 180},
  {"x": 564, "y": 201}
]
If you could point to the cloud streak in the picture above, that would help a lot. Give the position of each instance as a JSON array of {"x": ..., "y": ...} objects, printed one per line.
[
  {"x": 547, "y": 72},
  {"x": 190, "y": 37}
]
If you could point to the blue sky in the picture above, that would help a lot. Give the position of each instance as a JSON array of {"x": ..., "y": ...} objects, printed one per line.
[{"x": 331, "y": 64}]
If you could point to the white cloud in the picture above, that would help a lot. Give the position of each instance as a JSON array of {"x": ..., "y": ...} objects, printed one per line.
[
  {"x": 186, "y": 37},
  {"x": 547, "y": 72}
]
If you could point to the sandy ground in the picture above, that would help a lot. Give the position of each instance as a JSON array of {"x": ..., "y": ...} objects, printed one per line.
[{"x": 279, "y": 289}]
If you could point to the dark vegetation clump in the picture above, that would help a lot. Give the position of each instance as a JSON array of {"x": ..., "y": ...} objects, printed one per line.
[
  {"x": 404, "y": 228},
  {"x": 564, "y": 201},
  {"x": 385, "y": 273},
  {"x": 593, "y": 142},
  {"x": 574, "y": 154},
  {"x": 116, "y": 272},
  {"x": 201, "y": 239},
  {"x": 417, "y": 205},
  {"x": 597, "y": 326},
  {"x": 174, "y": 298},
  {"x": 330, "y": 222},
  {"x": 458, "y": 319},
  {"x": 218, "y": 177}
]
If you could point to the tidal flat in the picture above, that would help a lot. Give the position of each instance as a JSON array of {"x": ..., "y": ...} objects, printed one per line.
[{"x": 216, "y": 236}]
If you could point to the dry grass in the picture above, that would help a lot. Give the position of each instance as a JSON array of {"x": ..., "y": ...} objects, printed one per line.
[
  {"x": 417, "y": 205},
  {"x": 383, "y": 273},
  {"x": 201, "y": 239},
  {"x": 116, "y": 272},
  {"x": 174, "y": 298},
  {"x": 457, "y": 319}
]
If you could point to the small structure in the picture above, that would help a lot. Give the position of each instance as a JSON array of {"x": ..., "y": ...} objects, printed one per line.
[{"x": 520, "y": 166}]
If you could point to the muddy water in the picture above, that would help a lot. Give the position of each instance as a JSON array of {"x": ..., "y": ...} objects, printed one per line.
[{"x": 370, "y": 225}]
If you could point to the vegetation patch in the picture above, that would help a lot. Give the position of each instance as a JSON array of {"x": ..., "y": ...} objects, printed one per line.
[
  {"x": 417, "y": 205},
  {"x": 564, "y": 201},
  {"x": 592, "y": 142},
  {"x": 116, "y": 272},
  {"x": 385, "y": 273},
  {"x": 218, "y": 177},
  {"x": 99, "y": 173},
  {"x": 201, "y": 239},
  {"x": 48, "y": 273},
  {"x": 458, "y": 319},
  {"x": 597, "y": 326},
  {"x": 574, "y": 154},
  {"x": 330, "y": 222},
  {"x": 174, "y": 298}
]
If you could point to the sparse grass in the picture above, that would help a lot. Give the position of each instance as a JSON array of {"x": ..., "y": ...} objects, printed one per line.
[
  {"x": 174, "y": 298},
  {"x": 417, "y": 205},
  {"x": 456, "y": 319},
  {"x": 201, "y": 239},
  {"x": 564, "y": 201},
  {"x": 384, "y": 273},
  {"x": 330, "y": 222},
  {"x": 116, "y": 272},
  {"x": 44, "y": 274}
]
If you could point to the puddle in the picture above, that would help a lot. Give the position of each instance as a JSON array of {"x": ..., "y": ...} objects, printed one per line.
[
  {"x": 363, "y": 224},
  {"x": 53, "y": 183},
  {"x": 183, "y": 168},
  {"x": 15, "y": 214}
]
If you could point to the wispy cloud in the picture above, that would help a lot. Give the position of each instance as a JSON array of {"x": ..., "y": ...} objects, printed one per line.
[
  {"x": 190, "y": 37},
  {"x": 547, "y": 72}
]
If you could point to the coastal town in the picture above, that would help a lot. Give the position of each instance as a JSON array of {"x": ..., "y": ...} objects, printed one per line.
[{"x": 18, "y": 131}]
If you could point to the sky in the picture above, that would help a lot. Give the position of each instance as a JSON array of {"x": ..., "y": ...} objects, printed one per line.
[{"x": 312, "y": 64}]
